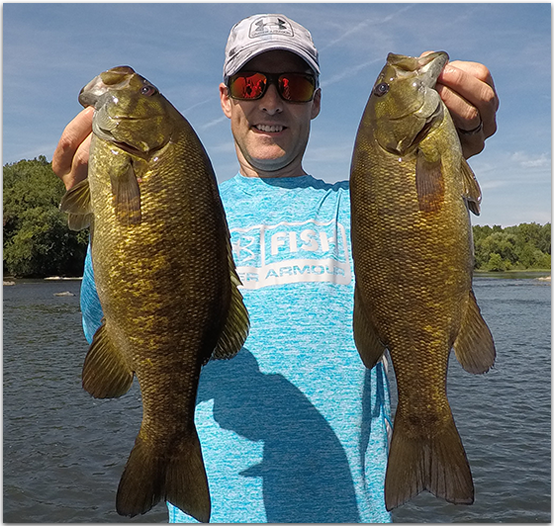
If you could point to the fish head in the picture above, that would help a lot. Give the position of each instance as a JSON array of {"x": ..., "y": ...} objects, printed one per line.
[
  {"x": 129, "y": 111},
  {"x": 404, "y": 103}
]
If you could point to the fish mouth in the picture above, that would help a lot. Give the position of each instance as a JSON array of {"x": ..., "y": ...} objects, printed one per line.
[
  {"x": 95, "y": 91},
  {"x": 431, "y": 66},
  {"x": 427, "y": 68},
  {"x": 131, "y": 149}
]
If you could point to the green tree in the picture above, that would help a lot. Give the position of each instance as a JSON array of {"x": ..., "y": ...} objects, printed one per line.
[
  {"x": 525, "y": 246},
  {"x": 37, "y": 241},
  {"x": 495, "y": 263}
]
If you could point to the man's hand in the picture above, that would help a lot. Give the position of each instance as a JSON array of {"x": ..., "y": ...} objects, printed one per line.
[
  {"x": 70, "y": 159},
  {"x": 468, "y": 91}
]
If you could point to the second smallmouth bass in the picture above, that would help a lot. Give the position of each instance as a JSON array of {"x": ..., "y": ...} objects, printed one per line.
[
  {"x": 165, "y": 278},
  {"x": 413, "y": 257}
]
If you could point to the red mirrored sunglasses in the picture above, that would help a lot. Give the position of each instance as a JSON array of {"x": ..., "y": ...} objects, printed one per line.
[{"x": 292, "y": 87}]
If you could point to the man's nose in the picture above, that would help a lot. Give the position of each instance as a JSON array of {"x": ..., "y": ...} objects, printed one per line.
[{"x": 272, "y": 102}]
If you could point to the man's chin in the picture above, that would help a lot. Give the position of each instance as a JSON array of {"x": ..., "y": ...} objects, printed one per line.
[{"x": 270, "y": 164}]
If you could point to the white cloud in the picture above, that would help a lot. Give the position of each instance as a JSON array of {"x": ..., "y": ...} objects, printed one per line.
[{"x": 526, "y": 160}]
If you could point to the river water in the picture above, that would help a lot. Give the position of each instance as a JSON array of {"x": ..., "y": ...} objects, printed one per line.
[{"x": 64, "y": 451}]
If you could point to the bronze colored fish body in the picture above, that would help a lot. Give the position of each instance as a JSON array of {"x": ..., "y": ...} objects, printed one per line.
[
  {"x": 413, "y": 259},
  {"x": 165, "y": 278}
]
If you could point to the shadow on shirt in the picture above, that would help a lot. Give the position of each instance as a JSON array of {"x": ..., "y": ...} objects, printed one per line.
[{"x": 306, "y": 476}]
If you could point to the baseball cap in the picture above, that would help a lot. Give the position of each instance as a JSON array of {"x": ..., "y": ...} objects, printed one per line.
[{"x": 260, "y": 33}]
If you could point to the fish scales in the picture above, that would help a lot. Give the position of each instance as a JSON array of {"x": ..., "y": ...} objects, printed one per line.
[
  {"x": 412, "y": 251},
  {"x": 165, "y": 279}
]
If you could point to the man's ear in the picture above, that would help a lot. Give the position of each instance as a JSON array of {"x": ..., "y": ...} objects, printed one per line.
[
  {"x": 225, "y": 100},
  {"x": 316, "y": 103}
]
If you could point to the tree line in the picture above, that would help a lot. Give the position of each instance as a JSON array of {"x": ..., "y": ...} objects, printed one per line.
[{"x": 38, "y": 243}]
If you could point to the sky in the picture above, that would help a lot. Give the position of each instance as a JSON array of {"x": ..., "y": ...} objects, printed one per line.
[{"x": 50, "y": 51}]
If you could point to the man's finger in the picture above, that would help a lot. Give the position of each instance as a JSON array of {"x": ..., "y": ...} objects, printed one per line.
[{"x": 72, "y": 138}]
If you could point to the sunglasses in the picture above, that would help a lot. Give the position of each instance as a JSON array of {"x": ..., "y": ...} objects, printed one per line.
[{"x": 292, "y": 87}]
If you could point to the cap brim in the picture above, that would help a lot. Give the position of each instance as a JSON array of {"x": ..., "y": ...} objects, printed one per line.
[{"x": 246, "y": 56}]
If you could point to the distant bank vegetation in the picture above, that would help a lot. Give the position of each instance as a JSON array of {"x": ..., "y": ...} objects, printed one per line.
[{"x": 38, "y": 243}]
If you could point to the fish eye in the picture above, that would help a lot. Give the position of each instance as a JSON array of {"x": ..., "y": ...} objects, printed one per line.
[
  {"x": 148, "y": 90},
  {"x": 381, "y": 89}
]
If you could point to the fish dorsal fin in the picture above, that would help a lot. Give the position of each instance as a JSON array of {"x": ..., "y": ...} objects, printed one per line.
[
  {"x": 105, "y": 371},
  {"x": 367, "y": 341},
  {"x": 237, "y": 325},
  {"x": 76, "y": 202},
  {"x": 474, "y": 346},
  {"x": 472, "y": 191}
]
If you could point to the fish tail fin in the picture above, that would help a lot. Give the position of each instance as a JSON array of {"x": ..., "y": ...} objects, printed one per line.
[
  {"x": 186, "y": 480},
  {"x": 435, "y": 461},
  {"x": 179, "y": 477}
]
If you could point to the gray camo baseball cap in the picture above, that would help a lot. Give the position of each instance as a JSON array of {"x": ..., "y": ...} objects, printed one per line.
[{"x": 260, "y": 33}]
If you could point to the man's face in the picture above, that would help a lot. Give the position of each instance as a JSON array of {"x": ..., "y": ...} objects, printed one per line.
[{"x": 271, "y": 134}]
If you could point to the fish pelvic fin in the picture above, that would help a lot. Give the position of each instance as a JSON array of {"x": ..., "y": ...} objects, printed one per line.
[
  {"x": 126, "y": 195},
  {"x": 474, "y": 345},
  {"x": 429, "y": 183},
  {"x": 433, "y": 460},
  {"x": 178, "y": 477},
  {"x": 105, "y": 371},
  {"x": 237, "y": 324},
  {"x": 77, "y": 203},
  {"x": 366, "y": 339}
]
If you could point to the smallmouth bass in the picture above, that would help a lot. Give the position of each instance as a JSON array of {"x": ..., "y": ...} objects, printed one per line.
[
  {"x": 165, "y": 278},
  {"x": 412, "y": 248}
]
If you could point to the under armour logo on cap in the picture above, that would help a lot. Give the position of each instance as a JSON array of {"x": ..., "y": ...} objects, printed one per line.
[{"x": 271, "y": 25}]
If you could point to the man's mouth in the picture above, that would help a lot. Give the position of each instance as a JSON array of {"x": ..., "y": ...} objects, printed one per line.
[{"x": 266, "y": 128}]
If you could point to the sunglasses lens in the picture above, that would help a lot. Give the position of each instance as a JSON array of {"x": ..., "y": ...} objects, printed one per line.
[
  {"x": 249, "y": 86},
  {"x": 296, "y": 88},
  {"x": 293, "y": 87}
]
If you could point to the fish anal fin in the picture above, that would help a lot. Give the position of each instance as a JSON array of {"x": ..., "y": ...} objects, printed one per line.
[
  {"x": 126, "y": 195},
  {"x": 429, "y": 183},
  {"x": 77, "y": 203},
  {"x": 237, "y": 324},
  {"x": 434, "y": 461},
  {"x": 367, "y": 341},
  {"x": 474, "y": 345},
  {"x": 152, "y": 474},
  {"x": 472, "y": 191},
  {"x": 105, "y": 371}
]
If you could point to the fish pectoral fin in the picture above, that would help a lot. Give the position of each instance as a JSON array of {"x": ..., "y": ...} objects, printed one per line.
[
  {"x": 474, "y": 346},
  {"x": 367, "y": 341},
  {"x": 105, "y": 371},
  {"x": 472, "y": 191},
  {"x": 126, "y": 195},
  {"x": 76, "y": 202},
  {"x": 429, "y": 183},
  {"x": 237, "y": 325}
]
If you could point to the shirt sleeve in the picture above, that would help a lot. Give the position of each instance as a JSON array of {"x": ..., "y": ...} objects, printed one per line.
[{"x": 90, "y": 303}]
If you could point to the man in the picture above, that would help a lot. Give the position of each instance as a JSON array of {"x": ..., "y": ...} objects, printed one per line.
[{"x": 293, "y": 429}]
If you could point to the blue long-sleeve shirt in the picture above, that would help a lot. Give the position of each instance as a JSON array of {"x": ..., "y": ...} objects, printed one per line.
[{"x": 294, "y": 428}]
